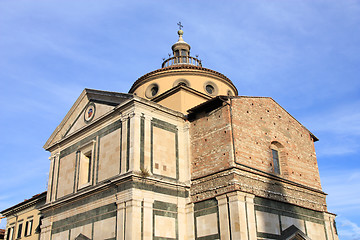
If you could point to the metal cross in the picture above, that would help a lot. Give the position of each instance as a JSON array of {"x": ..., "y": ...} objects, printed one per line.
[{"x": 180, "y": 26}]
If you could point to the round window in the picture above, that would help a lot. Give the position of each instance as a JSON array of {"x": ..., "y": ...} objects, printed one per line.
[
  {"x": 210, "y": 89},
  {"x": 152, "y": 90},
  {"x": 182, "y": 82},
  {"x": 230, "y": 94}
]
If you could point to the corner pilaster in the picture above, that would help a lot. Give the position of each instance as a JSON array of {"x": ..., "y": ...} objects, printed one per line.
[{"x": 223, "y": 217}]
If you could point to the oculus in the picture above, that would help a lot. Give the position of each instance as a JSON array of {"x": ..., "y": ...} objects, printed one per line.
[
  {"x": 89, "y": 112},
  {"x": 152, "y": 90}
]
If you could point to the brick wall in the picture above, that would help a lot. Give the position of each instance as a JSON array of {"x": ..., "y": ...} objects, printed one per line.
[
  {"x": 259, "y": 122},
  {"x": 211, "y": 147}
]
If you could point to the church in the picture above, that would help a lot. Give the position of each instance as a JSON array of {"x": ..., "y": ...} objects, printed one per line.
[{"x": 182, "y": 156}]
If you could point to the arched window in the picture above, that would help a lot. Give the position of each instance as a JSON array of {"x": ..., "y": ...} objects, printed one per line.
[
  {"x": 275, "y": 160},
  {"x": 277, "y": 155}
]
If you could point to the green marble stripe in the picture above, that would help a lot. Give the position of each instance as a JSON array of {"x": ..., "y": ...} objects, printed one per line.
[
  {"x": 95, "y": 153},
  {"x": 121, "y": 146},
  {"x": 52, "y": 179},
  {"x": 205, "y": 208},
  {"x": 122, "y": 187},
  {"x": 165, "y": 206},
  {"x": 97, "y": 160},
  {"x": 171, "y": 128},
  {"x": 268, "y": 236},
  {"x": 209, "y": 237},
  {"x": 165, "y": 214},
  {"x": 289, "y": 210},
  {"x": 164, "y": 125},
  {"x": 164, "y": 238},
  {"x": 76, "y": 179},
  {"x": 85, "y": 218},
  {"x": 106, "y": 130},
  {"x": 142, "y": 141},
  {"x": 205, "y": 204},
  {"x": 128, "y": 145}
]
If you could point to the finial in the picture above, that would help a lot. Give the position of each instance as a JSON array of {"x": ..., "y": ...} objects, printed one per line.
[
  {"x": 180, "y": 26},
  {"x": 180, "y": 32}
]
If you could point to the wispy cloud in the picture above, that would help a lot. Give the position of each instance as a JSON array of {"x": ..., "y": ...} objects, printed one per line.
[
  {"x": 348, "y": 230},
  {"x": 342, "y": 187},
  {"x": 340, "y": 127}
]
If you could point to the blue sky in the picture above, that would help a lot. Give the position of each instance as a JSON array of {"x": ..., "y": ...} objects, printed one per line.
[{"x": 304, "y": 54}]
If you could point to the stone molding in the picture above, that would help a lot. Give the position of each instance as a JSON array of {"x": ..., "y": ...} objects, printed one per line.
[{"x": 261, "y": 186}]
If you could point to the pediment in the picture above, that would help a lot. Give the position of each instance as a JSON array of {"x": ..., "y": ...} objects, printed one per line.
[
  {"x": 82, "y": 237},
  {"x": 90, "y": 106},
  {"x": 293, "y": 233}
]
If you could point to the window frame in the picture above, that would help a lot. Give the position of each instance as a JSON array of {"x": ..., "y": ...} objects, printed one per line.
[
  {"x": 279, "y": 161},
  {"x": 275, "y": 161},
  {"x": 19, "y": 230},
  {"x": 10, "y": 233},
  {"x": 28, "y": 230},
  {"x": 85, "y": 169}
]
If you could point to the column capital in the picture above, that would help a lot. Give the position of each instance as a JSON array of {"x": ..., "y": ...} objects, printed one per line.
[
  {"x": 148, "y": 202},
  {"x": 120, "y": 205},
  {"x": 222, "y": 199},
  {"x": 133, "y": 202}
]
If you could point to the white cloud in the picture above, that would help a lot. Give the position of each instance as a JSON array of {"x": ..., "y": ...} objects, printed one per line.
[
  {"x": 339, "y": 127},
  {"x": 347, "y": 229},
  {"x": 342, "y": 187}
]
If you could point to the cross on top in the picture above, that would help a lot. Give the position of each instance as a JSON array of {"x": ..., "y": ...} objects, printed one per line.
[{"x": 180, "y": 26}]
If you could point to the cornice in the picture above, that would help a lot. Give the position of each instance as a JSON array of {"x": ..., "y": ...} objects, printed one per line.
[{"x": 181, "y": 68}]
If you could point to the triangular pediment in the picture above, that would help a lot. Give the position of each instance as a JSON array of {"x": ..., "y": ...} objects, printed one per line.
[
  {"x": 82, "y": 237},
  {"x": 293, "y": 233},
  {"x": 90, "y": 106}
]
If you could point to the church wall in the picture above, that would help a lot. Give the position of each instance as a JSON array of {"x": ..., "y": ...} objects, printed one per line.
[
  {"x": 273, "y": 217},
  {"x": 206, "y": 219},
  {"x": 245, "y": 216},
  {"x": 109, "y": 155},
  {"x": 103, "y": 145},
  {"x": 211, "y": 143},
  {"x": 65, "y": 183},
  {"x": 151, "y": 214},
  {"x": 182, "y": 101},
  {"x": 259, "y": 122}
]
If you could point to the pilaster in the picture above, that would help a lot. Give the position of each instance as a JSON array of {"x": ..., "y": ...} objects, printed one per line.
[
  {"x": 134, "y": 153},
  {"x": 133, "y": 219},
  {"x": 250, "y": 214},
  {"x": 147, "y": 219},
  {"x": 147, "y": 142},
  {"x": 223, "y": 217},
  {"x": 330, "y": 227},
  {"x": 45, "y": 226},
  {"x": 120, "y": 226},
  {"x": 238, "y": 223},
  {"x": 55, "y": 177},
  {"x": 124, "y": 142},
  {"x": 189, "y": 210}
]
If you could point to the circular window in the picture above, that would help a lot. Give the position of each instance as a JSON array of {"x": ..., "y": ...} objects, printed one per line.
[
  {"x": 152, "y": 90},
  {"x": 230, "y": 93},
  {"x": 182, "y": 82},
  {"x": 211, "y": 88}
]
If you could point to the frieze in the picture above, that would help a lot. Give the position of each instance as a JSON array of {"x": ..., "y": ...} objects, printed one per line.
[{"x": 237, "y": 180}]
